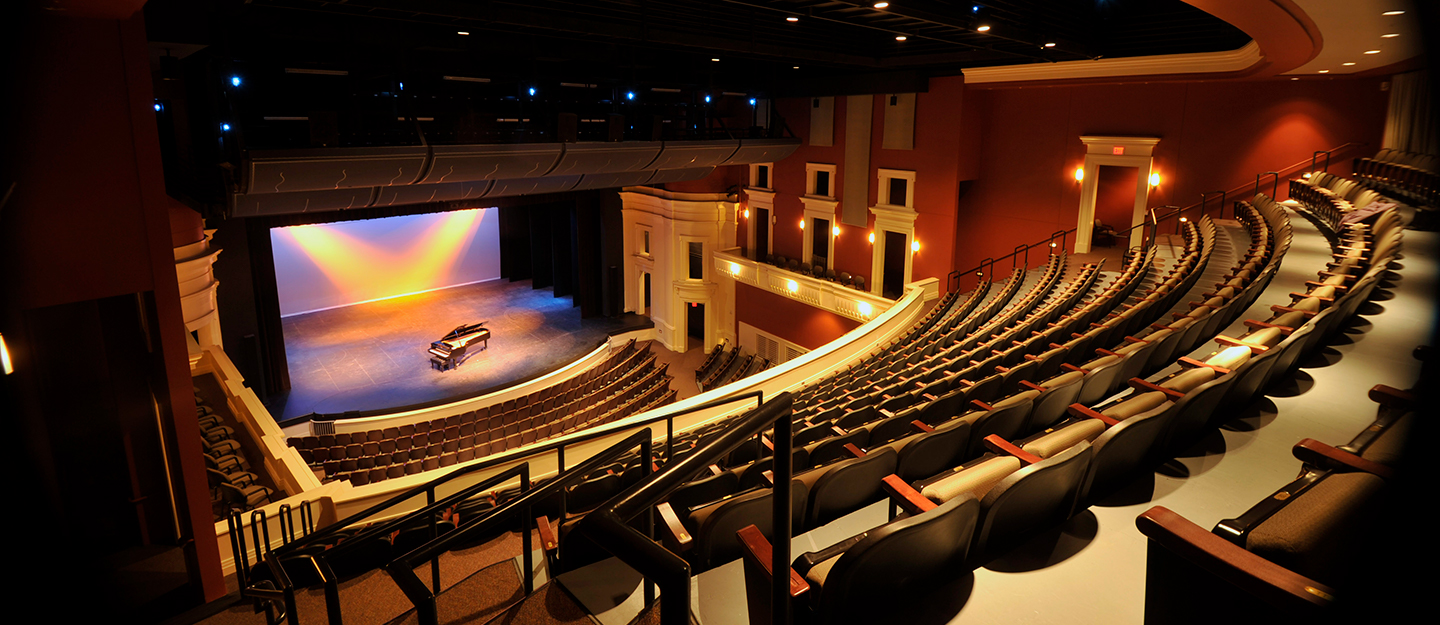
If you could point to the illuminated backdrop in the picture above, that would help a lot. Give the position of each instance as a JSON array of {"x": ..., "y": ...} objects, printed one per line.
[{"x": 337, "y": 264}]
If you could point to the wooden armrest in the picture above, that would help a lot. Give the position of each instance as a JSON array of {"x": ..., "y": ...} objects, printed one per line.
[
  {"x": 1069, "y": 367},
  {"x": 1031, "y": 357},
  {"x": 769, "y": 476},
  {"x": 929, "y": 397},
  {"x": 1031, "y": 385},
  {"x": 967, "y": 383},
  {"x": 1084, "y": 412},
  {"x": 1269, "y": 581},
  {"x": 1234, "y": 342},
  {"x": 922, "y": 426},
  {"x": 714, "y": 469},
  {"x": 757, "y": 550},
  {"x": 854, "y": 451},
  {"x": 1337, "y": 287},
  {"x": 548, "y": 541},
  {"x": 1251, "y": 323},
  {"x": 1143, "y": 386},
  {"x": 1189, "y": 362},
  {"x": 1300, "y": 296},
  {"x": 1333, "y": 274},
  {"x": 904, "y": 495},
  {"x": 1105, "y": 352},
  {"x": 1311, "y": 451},
  {"x": 981, "y": 405},
  {"x": 837, "y": 430},
  {"x": 1131, "y": 339},
  {"x": 673, "y": 524},
  {"x": 1056, "y": 346},
  {"x": 769, "y": 444},
  {"x": 999, "y": 445},
  {"x": 1156, "y": 326},
  {"x": 1000, "y": 369},
  {"x": 1391, "y": 397}
]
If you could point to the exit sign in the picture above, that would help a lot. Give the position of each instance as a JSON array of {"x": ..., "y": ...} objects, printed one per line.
[{"x": 1117, "y": 150}]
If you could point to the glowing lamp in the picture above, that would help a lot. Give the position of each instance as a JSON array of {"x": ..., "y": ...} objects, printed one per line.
[
  {"x": 747, "y": 213},
  {"x": 872, "y": 237},
  {"x": 735, "y": 268},
  {"x": 914, "y": 246},
  {"x": 1155, "y": 179},
  {"x": 1079, "y": 174},
  {"x": 1183, "y": 220},
  {"x": 802, "y": 224},
  {"x": 792, "y": 285},
  {"x": 881, "y": 5},
  {"x": 835, "y": 231},
  {"x": 5, "y": 357},
  {"x": 865, "y": 309}
]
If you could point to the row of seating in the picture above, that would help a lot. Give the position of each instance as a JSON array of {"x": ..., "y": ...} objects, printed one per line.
[
  {"x": 966, "y": 516},
  {"x": 817, "y": 270},
  {"x": 647, "y": 392},
  {"x": 1413, "y": 176},
  {"x": 1294, "y": 553},
  {"x": 730, "y": 367},
  {"x": 234, "y": 487},
  {"x": 1330, "y": 198}
]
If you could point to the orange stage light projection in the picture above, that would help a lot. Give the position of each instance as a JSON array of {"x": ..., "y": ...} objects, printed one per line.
[{"x": 338, "y": 264}]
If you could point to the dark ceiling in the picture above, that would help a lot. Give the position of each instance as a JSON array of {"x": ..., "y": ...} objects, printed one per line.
[{"x": 674, "y": 41}]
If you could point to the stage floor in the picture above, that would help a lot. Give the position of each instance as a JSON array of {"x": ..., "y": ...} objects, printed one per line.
[{"x": 373, "y": 356}]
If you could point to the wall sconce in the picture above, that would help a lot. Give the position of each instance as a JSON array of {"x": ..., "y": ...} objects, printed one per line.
[
  {"x": 865, "y": 309},
  {"x": 872, "y": 238},
  {"x": 1155, "y": 179},
  {"x": 1079, "y": 174},
  {"x": 1183, "y": 220},
  {"x": 835, "y": 231},
  {"x": 5, "y": 364},
  {"x": 915, "y": 246},
  {"x": 802, "y": 224},
  {"x": 747, "y": 213},
  {"x": 792, "y": 285}
]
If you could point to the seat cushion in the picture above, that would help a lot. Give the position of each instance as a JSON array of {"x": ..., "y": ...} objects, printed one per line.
[
  {"x": 817, "y": 574},
  {"x": 1267, "y": 337},
  {"x": 1230, "y": 357},
  {"x": 1136, "y": 404},
  {"x": 1187, "y": 380},
  {"x": 1387, "y": 448},
  {"x": 1313, "y": 532},
  {"x": 1065, "y": 438},
  {"x": 1016, "y": 398},
  {"x": 975, "y": 481}
]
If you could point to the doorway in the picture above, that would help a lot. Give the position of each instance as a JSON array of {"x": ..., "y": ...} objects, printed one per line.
[
  {"x": 1115, "y": 188},
  {"x": 695, "y": 325},
  {"x": 893, "y": 283},
  {"x": 645, "y": 290},
  {"x": 820, "y": 242},
  {"x": 762, "y": 234}
]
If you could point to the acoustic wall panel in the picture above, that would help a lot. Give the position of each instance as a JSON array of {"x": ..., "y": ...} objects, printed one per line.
[{"x": 855, "y": 202}]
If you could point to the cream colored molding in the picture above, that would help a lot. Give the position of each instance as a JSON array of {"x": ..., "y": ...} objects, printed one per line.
[
  {"x": 1100, "y": 151},
  {"x": 898, "y": 219},
  {"x": 1236, "y": 60},
  {"x": 818, "y": 208},
  {"x": 822, "y": 294},
  {"x": 195, "y": 272}
]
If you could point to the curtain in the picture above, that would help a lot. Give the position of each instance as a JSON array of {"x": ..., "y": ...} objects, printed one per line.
[{"x": 1410, "y": 125}]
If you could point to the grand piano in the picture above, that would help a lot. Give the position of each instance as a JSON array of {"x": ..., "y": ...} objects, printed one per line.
[{"x": 448, "y": 352}]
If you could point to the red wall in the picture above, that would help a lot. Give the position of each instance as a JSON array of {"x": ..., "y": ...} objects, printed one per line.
[
  {"x": 1115, "y": 196},
  {"x": 797, "y": 322},
  {"x": 1213, "y": 135}
]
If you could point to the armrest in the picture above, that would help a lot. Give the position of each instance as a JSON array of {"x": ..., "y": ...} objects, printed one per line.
[
  {"x": 1191, "y": 363},
  {"x": 1002, "y": 369},
  {"x": 1145, "y": 387},
  {"x": 1391, "y": 397},
  {"x": 548, "y": 542},
  {"x": 1337, "y": 287},
  {"x": 1300, "y": 296},
  {"x": 1084, "y": 412},
  {"x": 1265, "y": 579},
  {"x": 757, "y": 551},
  {"x": 1105, "y": 352},
  {"x": 1131, "y": 339},
  {"x": 1031, "y": 385},
  {"x": 714, "y": 469},
  {"x": 904, "y": 495},
  {"x": 1314, "y": 452},
  {"x": 672, "y": 523},
  {"x": 1069, "y": 367},
  {"x": 854, "y": 451},
  {"x": 1287, "y": 309},
  {"x": 1234, "y": 342},
  {"x": 999, "y": 445},
  {"x": 1251, "y": 323},
  {"x": 922, "y": 426},
  {"x": 981, "y": 405}
]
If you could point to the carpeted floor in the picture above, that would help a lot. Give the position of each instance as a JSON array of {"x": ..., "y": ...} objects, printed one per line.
[{"x": 373, "y": 356}]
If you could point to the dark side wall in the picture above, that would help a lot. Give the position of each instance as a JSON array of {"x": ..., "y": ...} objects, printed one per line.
[{"x": 795, "y": 321}]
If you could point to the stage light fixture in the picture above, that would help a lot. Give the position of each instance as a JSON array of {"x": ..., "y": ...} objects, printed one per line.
[
  {"x": 235, "y": 81},
  {"x": 792, "y": 19},
  {"x": 402, "y": 86},
  {"x": 752, "y": 101},
  {"x": 1183, "y": 220},
  {"x": 835, "y": 231},
  {"x": 5, "y": 357},
  {"x": 1050, "y": 44},
  {"x": 629, "y": 95},
  {"x": 462, "y": 32},
  {"x": 714, "y": 60},
  {"x": 881, "y": 5},
  {"x": 915, "y": 246},
  {"x": 900, "y": 37},
  {"x": 225, "y": 127},
  {"x": 747, "y": 213},
  {"x": 865, "y": 309},
  {"x": 158, "y": 107},
  {"x": 975, "y": 9},
  {"x": 984, "y": 28},
  {"x": 1079, "y": 174},
  {"x": 707, "y": 97},
  {"x": 532, "y": 91},
  {"x": 792, "y": 285},
  {"x": 1155, "y": 179}
]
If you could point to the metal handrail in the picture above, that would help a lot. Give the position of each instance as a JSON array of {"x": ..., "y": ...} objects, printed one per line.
[
  {"x": 1274, "y": 188},
  {"x": 607, "y": 526},
  {"x": 1207, "y": 194},
  {"x": 402, "y": 569}
]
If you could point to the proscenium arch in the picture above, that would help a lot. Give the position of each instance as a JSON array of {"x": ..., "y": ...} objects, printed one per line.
[{"x": 1134, "y": 152}]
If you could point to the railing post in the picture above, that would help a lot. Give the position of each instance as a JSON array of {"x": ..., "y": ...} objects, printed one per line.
[
  {"x": 434, "y": 564},
  {"x": 780, "y": 520},
  {"x": 525, "y": 520}
]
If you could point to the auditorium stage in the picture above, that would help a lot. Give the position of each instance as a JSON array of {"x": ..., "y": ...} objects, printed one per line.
[{"x": 373, "y": 356}]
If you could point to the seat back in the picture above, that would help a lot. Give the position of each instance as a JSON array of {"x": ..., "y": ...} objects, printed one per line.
[
  {"x": 1195, "y": 410},
  {"x": 1035, "y": 497},
  {"x": 930, "y": 453},
  {"x": 848, "y": 486},
  {"x": 715, "y": 541},
  {"x": 1008, "y": 422},
  {"x": 1122, "y": 449},
  {"x": 903, "y": 556}
]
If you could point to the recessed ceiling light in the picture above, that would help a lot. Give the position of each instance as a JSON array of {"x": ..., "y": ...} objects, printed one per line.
[
  {"x": 1324, "y": 71},
  {"x": 1348, "y": 64},
  {"x": 462, "y": 32},
  {"x": 900, "y": 37},
  {"x": 983, "y": 28},
  {"x": 881, "y": 5},
  {"x": 1294, "y": 79},
  {"x": 1372, "y": 52},
  {"x": 795, "y": 67},
  {"x": 1389, "y": 35},
  {"x": 792, "y": 19},
  {"x": 1050, "y": 45},
  {"x": 715, "y": 60},
  {"x": 1393, "y": 13}
]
